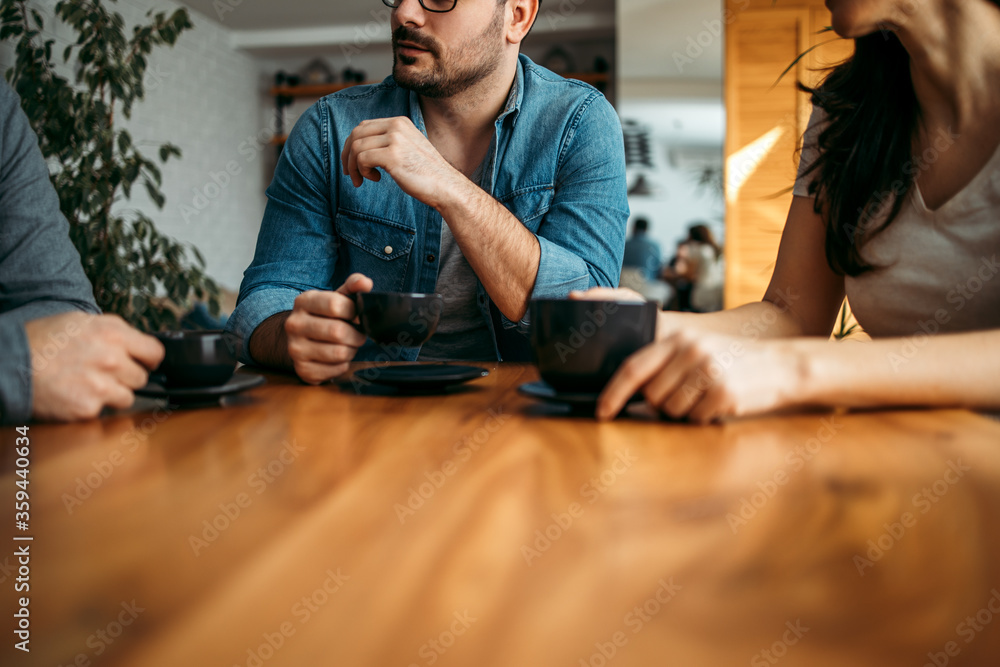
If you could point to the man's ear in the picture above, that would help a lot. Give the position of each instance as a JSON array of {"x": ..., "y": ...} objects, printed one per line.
[{"x": 522, "y": 15}]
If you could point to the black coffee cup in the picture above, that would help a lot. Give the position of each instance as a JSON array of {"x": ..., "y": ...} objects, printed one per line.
[
  {"x": 197, "y": 358},
  {"x": 578, "y": 345},
  {"x": 407, "y": 320}
]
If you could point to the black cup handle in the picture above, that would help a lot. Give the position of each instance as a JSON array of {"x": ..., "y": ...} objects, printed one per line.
[{"x": 353, "y": 296}]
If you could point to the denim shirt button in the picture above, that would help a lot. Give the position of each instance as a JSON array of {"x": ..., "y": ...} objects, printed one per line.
[
  {"x": 388, "y": 250},
  {"x": 430, "y": 259}
]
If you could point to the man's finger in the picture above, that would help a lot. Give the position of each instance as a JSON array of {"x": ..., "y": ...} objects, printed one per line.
[
  {"x": 356, "y": 282},
  {"x": 322, "y": 304},
  {"x": 307, "y": 351},
  {"x": 361, "y": 146},
  {"x": 145, "y": 349},
  {"x": 330, "y": 331},
  {"x": 368, "y": 162},
  {"x": 365, "y": 129},
  {"x": 317, "y": 373},
  {"x": 118, "y": 396},
  {"x": 132, "y": 375},
  {"x": 632, "y": 376}
]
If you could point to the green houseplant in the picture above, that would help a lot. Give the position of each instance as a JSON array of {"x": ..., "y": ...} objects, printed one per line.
[{"x": 137, "y": 273}]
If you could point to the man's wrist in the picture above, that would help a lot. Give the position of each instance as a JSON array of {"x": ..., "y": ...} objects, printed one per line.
[
  {"x": 456, "y": 196},
  {"x": 269, "y": 343}
]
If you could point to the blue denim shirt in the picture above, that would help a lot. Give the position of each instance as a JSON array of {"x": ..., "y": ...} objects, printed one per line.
[{"x": 557, "y": 163}]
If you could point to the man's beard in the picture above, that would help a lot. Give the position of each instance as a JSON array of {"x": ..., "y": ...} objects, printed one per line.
[{"x": 474, "y": 61}]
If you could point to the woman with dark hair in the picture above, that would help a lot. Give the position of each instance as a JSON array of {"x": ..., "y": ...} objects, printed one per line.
[
  {"x": 698, "y": 265},
  {"x": 897, "y": 206}
]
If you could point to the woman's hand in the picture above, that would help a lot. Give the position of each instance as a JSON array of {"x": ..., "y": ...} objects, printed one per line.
[{"x": 706, "y": 377}]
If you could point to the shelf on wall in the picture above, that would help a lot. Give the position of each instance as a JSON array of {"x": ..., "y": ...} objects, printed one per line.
[
  {"x": 319, "y": 90},
  {"x": 315, "y": 90}
]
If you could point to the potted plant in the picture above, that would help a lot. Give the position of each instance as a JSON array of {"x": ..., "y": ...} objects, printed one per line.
[{"x": 137, "y": 272}]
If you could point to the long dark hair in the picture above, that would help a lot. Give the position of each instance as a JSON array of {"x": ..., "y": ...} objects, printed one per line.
[
  {"x": 865, "y": 167},
  {"x": 700, "y": 233}
]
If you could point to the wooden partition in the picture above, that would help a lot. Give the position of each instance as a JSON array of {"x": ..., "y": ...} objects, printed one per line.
[{"x": 765, "y": 122}]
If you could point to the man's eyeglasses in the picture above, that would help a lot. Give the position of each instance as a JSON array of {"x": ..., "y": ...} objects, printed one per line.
[{"x": 436, "y": 6}]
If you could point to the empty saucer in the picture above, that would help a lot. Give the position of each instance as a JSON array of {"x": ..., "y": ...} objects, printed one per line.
[{"x": 420, "y": 377}]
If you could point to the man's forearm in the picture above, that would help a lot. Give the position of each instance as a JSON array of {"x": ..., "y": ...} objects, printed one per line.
[
  {"x": 269, "y": 343},
  {"x": 503, "y": 252}
]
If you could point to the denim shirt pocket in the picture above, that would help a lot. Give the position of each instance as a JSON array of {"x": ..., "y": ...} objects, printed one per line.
[
  {"x": 378, "y": 248},
  {"x": 529, "y": 204}
]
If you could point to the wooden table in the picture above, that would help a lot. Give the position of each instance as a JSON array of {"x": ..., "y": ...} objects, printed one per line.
[{"x": 313, "y": 526}]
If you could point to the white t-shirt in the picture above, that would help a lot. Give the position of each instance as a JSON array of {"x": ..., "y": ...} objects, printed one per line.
[{"x": 941, "y": 269}]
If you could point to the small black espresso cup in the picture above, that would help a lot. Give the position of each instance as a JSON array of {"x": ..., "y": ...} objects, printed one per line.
[
  {"x": 407, "y": 320},
  {"x": 578, "y": 345},
  {"x": 197, "y": 358}
]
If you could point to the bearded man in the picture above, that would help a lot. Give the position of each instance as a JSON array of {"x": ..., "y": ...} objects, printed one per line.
[{"x": 471, "y": 172}]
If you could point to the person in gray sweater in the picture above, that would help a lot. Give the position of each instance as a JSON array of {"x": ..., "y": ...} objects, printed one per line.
[{"x": 60, "y": 359}]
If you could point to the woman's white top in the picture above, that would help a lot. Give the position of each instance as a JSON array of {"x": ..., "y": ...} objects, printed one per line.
[{"x": 940, "y": 269}]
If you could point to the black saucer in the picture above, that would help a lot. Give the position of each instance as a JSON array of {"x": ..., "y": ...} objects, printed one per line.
[
  {"x": 584, "y": 401},
  {"x": 420, "y": 377},
  {"x": 179, "y": 395}
]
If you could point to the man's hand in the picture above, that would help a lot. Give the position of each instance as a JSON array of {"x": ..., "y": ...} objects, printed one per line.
[
  {"x": 82, "y": 363},
  {"x": 321, "y": 337},
  {"x": 396, "y": 145}
]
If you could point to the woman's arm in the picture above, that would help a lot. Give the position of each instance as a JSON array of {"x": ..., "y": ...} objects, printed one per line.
[
  {"x": 707, "y": 377},
  {"x": 961, "y": 370},
  {"x": 803, "y": 298}
]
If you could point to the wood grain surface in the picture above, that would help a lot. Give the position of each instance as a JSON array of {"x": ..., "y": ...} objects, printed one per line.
[{"x": 338, "y": 525}]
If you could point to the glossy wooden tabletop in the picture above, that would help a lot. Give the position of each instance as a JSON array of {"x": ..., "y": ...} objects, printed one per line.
[{"x": 332, "y": 525}]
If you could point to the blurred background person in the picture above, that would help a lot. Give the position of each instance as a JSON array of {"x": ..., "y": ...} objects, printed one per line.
[
  {"x": 697, "y": 272},
  {"x": 641, "y": 265}
]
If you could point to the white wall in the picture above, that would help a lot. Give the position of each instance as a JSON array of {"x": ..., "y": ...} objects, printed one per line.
[
  {"x": 670, "y": 57},
  {"x": 676, "y": 124},
  {"x": 204, "y": 96}
]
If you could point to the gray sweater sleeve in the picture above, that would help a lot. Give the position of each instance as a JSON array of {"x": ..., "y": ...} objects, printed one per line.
[{"x": 40, "y": 270}]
